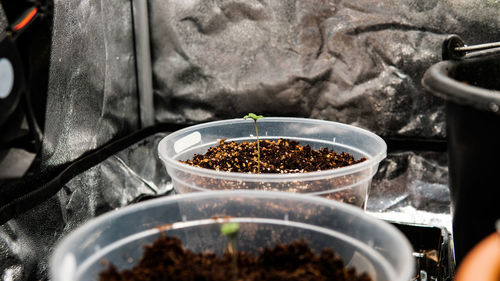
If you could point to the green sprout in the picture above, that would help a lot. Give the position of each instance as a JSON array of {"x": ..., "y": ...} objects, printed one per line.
[
  {"x": 230, "y": 229},
  {"x": 255, "y": 118}
]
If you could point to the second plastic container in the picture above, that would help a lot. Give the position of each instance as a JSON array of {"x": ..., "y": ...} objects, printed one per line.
[
  {"x": 348, "y": 184},
  {"x": 266, "y": 219}
]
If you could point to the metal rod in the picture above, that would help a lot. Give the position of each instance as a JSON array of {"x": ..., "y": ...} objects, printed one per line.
[
  {"x": 478, "y": 47},
  {"x": 143, "y": 58}
]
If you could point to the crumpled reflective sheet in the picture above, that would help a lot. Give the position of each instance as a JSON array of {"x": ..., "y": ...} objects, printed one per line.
[
  {"x": 356, "y": 62},
  {"x": 92, "y": 99},
  {"x": 92, "y": 94},
  {"x": 27, "y": 242},
  {"x": 412, "y": 187}
]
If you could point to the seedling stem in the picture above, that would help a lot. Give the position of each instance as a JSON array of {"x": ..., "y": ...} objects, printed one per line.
[{"x": 255, "y": 118}]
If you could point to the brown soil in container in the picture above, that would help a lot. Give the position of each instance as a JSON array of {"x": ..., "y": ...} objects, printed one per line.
[
  {"x": 166, "y": 259},
  {"x": 281, "y": 156},
  {"x": 277, "y": 157}
]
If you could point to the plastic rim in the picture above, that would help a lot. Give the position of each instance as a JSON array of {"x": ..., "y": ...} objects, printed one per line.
[
  {"x": 437, "y": 80},
  {"x": 370, "y": 162}
]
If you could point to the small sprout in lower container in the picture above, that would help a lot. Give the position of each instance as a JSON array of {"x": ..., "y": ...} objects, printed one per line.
[{"x": 230, "y": 229}]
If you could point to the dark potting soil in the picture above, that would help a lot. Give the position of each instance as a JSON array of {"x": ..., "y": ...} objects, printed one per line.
[
  {"x": 166, "y": 259},
  {"x": 281, "y": 156}
]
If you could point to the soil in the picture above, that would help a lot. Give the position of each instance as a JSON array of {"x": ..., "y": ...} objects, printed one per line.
[
  {"x": 282, "y": 156},
  {"x": 166, "y": 259}
]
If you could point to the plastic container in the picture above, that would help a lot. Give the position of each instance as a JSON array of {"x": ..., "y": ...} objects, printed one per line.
[
  {"x": 471, "y": 90},
  {"x": 266, "y": 218},
  {"x": 348, "y": 184}
]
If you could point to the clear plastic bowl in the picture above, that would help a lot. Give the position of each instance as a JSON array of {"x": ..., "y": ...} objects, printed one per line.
[
  {"x": 348, "y": 184},
  {"x": 266, "y": 218}
]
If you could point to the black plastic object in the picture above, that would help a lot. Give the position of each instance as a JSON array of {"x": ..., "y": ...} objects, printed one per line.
[
  {"x": 432, "y": 251},
  {"x": 450, "y": 46},
  {"x": 471, "y": 89}
]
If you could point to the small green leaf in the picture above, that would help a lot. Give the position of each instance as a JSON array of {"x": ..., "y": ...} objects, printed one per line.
[
  {"x": 230, "y": 228},
  {"x": 253, "y": 116}
]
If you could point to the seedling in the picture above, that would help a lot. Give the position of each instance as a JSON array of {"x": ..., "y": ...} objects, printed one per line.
[
  {"x": 255, "y": 118},
  {"x": 230, "y": 229}
]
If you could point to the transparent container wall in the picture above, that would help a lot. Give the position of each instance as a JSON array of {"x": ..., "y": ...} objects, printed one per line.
[
  {"x": 348, "y": 184},
  {"x": 252, "y": 237},
  {"x": 266, "y": 218},
  {"x": 353, "y": 187}
]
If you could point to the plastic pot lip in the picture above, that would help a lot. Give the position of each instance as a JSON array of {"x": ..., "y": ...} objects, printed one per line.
[
  {"x": 370, "y": 162},
  {"x": 89, "y": 227},
  {"x": 438, "y": 81}
]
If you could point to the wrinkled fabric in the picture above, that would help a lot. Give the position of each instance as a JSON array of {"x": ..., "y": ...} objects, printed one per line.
[
  {"x": 92, "y": 98},
  {"x": 27, "y": 242},
  {"x": 92, "y": 95},
  {"x": 412, "y": 187},
  {"x": 357, "y": 62}
]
